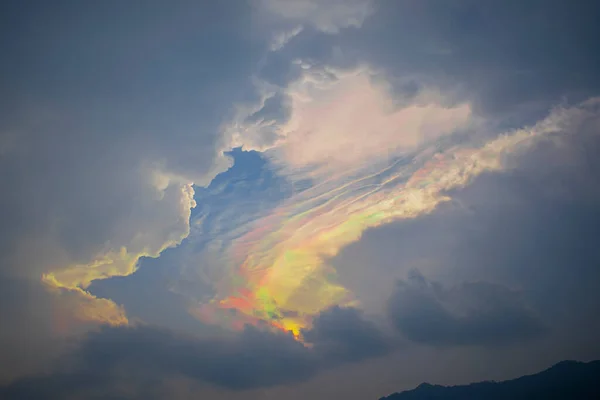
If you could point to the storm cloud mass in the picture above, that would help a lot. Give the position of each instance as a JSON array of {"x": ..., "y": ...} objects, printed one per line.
[{"x": 295, "y": 198}]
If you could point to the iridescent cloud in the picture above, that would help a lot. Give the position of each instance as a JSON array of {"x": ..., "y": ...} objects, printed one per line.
[{"x": 277, "y": 271}]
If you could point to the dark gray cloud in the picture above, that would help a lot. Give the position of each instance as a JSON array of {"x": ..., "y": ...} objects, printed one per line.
[
  {"x": 476, "y": 313},
  {"x": 510, "y": 61},
  {"x": 26, "y": 338},
  {"x": 105, "y": 360},
  {"x": 98, "y": 100},
  {"x": 343, "y": 335},
  {"x": 508, "y": 58},
  {"x": 140, "y": 355}
]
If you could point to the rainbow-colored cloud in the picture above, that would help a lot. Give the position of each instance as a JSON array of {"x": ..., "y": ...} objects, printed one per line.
[{"x": 278, "y": 271}]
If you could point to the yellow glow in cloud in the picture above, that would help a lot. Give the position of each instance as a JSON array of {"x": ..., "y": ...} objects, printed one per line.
[
  {"x": 164, "y": 231},
  {"x": 77, "y": 305}
]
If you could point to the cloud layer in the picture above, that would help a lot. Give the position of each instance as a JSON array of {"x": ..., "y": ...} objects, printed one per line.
[
  {"x": 118, "y": 360},
  {"x": 182, "y": 190},
  {"x": 471, "y": 314}
]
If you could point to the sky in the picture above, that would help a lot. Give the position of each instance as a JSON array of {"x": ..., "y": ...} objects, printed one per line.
[{"x": 271, "y": 199}]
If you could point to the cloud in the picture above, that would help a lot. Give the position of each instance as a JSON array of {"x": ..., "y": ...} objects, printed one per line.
[
  {"x": 27, "y": 353},
  {"x": 283, "y": 38},
  {"x": 342, "y": 120},
  {"x": 140, "y": 355},
  {"x": 344, "y": 335},
  {"x": 96, "y": 228},
  {"x": 466, "y": 46},
  {"x": 325, "y": 16},
  {"x": 103, "y": 159},
  {"x": 476, "y": 313},
  {"x": 99, "y": 159},
  {"x": 161, "y": 220},
  {"x": 529, "y": 227},
  {"x": 39, "y": 325},
  {"x": 281, "y": 272},
  {"x": 252, "y": 358},
  {"x": 323, "y": 114}
]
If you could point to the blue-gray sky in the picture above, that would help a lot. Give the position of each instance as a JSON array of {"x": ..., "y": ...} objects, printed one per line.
[{"x": 273, "y": 199}]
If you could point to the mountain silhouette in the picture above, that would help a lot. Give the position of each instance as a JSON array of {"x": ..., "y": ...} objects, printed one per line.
[{"x": 567, "y": 380}]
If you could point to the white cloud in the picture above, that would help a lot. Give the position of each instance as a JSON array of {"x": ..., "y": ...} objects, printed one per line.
[
  {"x": 283, "y": 38},
  {"x": 344, "y": 118},
  {"x": 349, "y": 122}
]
